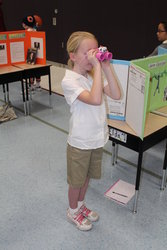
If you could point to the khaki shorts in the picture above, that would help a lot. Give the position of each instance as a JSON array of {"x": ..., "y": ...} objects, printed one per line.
[{"x": 82, "y": 164}]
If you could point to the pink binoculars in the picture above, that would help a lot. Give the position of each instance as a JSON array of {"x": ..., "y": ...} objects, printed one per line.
[{"x": 103, "y": 54}]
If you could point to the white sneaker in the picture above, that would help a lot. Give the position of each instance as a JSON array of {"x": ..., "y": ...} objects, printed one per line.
[
  {"x": 89, "y": 214},
  {"x": 79, "y": 220}
]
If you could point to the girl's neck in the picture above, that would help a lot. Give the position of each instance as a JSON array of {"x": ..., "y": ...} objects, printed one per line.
[{"x": 80, "y": 71}]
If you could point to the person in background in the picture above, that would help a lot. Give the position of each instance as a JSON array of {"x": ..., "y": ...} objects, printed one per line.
[
  {"x": 29, "y": 23},
  {"x": 84, "y": 91},
  {"x": 2, "y": 23},
  {"x": 162, "y": 37}
]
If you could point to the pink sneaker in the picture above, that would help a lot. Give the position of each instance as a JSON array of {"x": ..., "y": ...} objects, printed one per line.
[
  {"x": 89, "y": 214},
  {"x": 79, "y": 220}
]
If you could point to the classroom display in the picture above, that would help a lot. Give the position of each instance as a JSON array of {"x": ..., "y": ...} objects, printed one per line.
[
  {"x": 116, "y": 108},
  {"x": 137, "y": 97},
  {"x": 14, "y": 46},
  {"x": 144, "y": 87},
  {"x": 157, "y": 67}
]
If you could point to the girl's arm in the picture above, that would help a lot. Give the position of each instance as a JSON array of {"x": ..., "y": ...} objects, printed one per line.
[
  {"x": 112, "y": 89},
  {"x": 94, "y": 96}
]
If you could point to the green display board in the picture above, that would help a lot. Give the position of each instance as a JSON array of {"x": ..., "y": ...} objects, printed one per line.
[
  {"x": 137, "y": 98},
  {"x": 146, "y": 90},
  {"x": 157, "y": 67}
]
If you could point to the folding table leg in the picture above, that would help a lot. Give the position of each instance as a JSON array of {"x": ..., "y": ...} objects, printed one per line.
[
  {"x": 23, "y": 93},
  {"x": 113, "y": 153},
  {"x": 27, "y": 98},
  {"x": 163, "y": 183},
  {"x": 139, "y": 165},
  {"x": 50, "y": 92},
  {"x": 4, "y": 91},
  {"x": 116, "y": 152}
]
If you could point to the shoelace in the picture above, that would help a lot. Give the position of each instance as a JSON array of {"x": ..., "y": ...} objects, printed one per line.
[
  {"x": 85, "y": 210},
  {"x": 79, "y": 218}
]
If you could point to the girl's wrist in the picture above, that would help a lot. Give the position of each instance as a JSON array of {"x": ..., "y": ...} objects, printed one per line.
[
  {"x": 106, "y": 69},
  {"x": 97, "y": 66}
]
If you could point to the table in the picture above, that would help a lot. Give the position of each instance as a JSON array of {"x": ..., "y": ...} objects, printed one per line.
[
  {"x": 155, "y": 131},
  {"x": 29, "y": 71},
  {"x": 9, "y": 74}
]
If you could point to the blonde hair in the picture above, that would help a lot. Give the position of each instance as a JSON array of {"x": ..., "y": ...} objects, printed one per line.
[{"x": 74, "y": 41}]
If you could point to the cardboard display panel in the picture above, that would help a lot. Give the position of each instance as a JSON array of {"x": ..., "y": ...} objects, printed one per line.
[
  {"x": 146, "y": 91},
  {"x": 157, "y": 67},
  {"x": 15, "y": 44},
  {"x": 4, "y": 49},
  {"x": 137, "y": 97},
  {"x": 116, "y": 108}
]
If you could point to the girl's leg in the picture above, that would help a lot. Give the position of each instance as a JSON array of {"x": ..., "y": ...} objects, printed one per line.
[
  {"x": 77, "y": 194},
  {"x": 73, "y": 195},
  {"x": 74, "y": 214},
  {"x": 83, "y": 190},
  {"x": 89, "y": 214}
]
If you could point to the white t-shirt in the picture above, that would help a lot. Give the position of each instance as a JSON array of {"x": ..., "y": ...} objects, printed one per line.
[{"x": 88, "y": 123}]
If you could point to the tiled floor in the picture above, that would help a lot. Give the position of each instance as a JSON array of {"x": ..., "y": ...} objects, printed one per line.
[{"x": 33, "y": 188}]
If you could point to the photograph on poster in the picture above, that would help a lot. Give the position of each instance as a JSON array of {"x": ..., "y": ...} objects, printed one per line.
[
  {"x": 31, "y": 56},
  {"x": 38, "y": 43}
]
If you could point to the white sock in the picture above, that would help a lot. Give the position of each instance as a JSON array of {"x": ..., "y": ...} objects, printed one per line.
[
  {"x": 73, "y": 211},
  {"x": 80, "y": 203}
]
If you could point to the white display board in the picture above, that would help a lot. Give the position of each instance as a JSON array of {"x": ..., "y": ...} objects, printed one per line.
[{"x": 116, "y": 108}]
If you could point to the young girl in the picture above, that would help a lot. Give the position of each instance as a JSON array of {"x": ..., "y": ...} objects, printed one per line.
[
  {"x": 162, "y": 37},
  {"x": 88, "y": 132}
]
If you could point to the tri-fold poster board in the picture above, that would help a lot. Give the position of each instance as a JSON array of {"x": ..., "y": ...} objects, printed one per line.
[
  {"x": 15, "y": 44},
  {"x": 116, "y": 108},
  {"x": 144, "y": 86}
]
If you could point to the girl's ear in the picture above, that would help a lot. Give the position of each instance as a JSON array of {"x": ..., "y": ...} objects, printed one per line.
[{"x": 72, "y": 56}]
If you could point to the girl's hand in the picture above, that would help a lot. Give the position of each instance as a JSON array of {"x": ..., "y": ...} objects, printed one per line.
[
  {"x": 105, "y": 64},
  {"x": 91, "y": 55}
]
